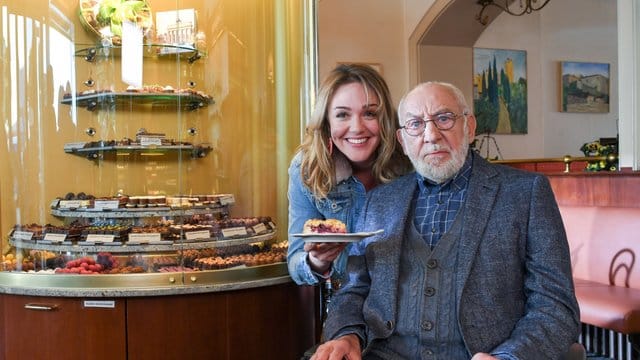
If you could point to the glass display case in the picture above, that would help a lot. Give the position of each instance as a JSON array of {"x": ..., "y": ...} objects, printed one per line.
[
  {"x": 186, "y": 121},
  {"x": 145, "y": 147}
]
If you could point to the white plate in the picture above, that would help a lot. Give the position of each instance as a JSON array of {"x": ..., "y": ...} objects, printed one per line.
[{"x": 332, "y": 237}]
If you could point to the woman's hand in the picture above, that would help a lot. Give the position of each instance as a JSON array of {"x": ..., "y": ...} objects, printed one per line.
[
  {"x": 345, "y": 347},
  {"x": 321, "y": 255}
]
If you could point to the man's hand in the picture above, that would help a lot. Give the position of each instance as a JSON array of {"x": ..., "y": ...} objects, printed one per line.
[
  {"x": 345, "y": 347},
  {"x": 321, "y": 255},
  {"x": 483, "y": 356}
]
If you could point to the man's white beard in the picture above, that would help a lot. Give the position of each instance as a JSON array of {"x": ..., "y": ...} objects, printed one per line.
[{"x": 440, "y": 173}]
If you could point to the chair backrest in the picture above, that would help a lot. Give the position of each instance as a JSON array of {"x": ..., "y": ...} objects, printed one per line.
[{"x": 604, "y": 243}]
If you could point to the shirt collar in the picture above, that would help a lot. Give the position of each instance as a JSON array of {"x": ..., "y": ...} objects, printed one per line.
[
  {"x": 458, "y": 182},
  {"x": 342, "y": 166}
]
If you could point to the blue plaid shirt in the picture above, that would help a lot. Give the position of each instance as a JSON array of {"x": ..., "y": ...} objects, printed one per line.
[{"x": 437, "y": 204}]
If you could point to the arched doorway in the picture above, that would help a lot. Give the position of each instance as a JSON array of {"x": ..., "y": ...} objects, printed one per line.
[{"x": 447, "y": 23}]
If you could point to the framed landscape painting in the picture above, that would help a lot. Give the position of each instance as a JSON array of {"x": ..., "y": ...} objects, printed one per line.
[
  {"x": 584, "y": 87},
  {"x": 500, "y": 91}
]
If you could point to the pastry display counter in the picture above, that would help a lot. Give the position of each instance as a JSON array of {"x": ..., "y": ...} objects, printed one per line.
[
  {"x": 132, "y": 263},
  {"x": 209, "y": 297}
]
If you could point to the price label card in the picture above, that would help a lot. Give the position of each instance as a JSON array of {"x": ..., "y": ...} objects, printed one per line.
[
  {"x": 234, "y": 231},
  {"x": 100, "y": 238},
  {"x": 70, "y": 204},
  {"x": 260, "y": 228},
  {"x": 273, "y": 226},
  {"x": 196, "y": 235},
  {"x": 74, "y": 146},
  {"x": 227, "y": 199},
  {"x": 23, "y": 235},
  {"x": 106, "y": 204},
  {"x": 150, "y": 141},
  {"x": 144, "y": 238},
  {"x": 108, "y": 304},
  {"x": 54, "y": 203},
  {"x": 55, "y": 237}
]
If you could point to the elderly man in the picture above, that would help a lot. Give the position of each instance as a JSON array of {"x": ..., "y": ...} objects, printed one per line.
[{"x": 473, "y": 263}]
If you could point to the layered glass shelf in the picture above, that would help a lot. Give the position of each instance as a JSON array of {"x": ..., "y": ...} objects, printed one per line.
[
  {"x": 109, "y": 99},
  {"x": 171, "y": 51},
  {"x": 98, "y": 152}
]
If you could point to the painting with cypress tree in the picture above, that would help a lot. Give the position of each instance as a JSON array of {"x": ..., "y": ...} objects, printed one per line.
[{"x": 500, "y": 91}]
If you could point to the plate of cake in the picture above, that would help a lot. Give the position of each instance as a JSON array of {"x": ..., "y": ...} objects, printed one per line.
[{"x": 331, "y": 230}]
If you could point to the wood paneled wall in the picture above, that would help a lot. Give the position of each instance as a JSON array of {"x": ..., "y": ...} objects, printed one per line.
[
  {"x": 614, "y": 189},
  {"x": 583, "y": 188}
]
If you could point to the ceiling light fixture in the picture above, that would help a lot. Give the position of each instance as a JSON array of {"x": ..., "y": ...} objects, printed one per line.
[{"x": 526, "y": 7}]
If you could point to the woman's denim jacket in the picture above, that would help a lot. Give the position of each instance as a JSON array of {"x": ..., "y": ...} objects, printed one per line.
[{"x": 344, "y": 202}]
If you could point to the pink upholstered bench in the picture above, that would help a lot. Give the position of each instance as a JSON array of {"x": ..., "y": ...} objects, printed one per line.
[
  {"x": 610, "y": 307},
  {"x": 604, "y": 244}
]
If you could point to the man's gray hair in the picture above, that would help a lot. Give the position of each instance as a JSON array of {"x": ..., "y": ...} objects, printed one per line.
[{"x": 457, "y": 93}]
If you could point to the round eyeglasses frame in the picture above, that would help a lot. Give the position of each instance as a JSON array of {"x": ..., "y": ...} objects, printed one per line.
[{"x": 442, "y": 121}]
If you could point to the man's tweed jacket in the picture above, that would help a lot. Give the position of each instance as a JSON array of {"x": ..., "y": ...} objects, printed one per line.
[{"x": 514, "y": 285}]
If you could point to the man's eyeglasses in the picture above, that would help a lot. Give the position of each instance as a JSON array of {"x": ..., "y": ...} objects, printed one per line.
[{"x": 443, "y": 121}]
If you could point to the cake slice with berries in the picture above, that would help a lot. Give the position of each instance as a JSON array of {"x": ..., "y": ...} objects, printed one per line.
[{"x": 318, "y": 226}]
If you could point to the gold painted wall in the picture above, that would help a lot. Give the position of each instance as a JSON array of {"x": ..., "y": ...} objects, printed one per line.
[{"x": 253, "y": 126}]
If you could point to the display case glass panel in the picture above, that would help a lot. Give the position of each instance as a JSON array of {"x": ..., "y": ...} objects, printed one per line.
[{"x": 148, "y": 136}]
